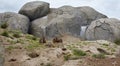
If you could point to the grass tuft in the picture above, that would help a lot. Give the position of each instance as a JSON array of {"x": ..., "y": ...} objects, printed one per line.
[
  {"x": 10, "y": 48},
  {"x": 5, "y": 33},
  {"x": 4, "y": 25},
  {"x": 78, "y": 52},
  {"x": 17, "y": 35},
  {"x": 117, "y": 41},
  {"x": 99, "y": 56}
]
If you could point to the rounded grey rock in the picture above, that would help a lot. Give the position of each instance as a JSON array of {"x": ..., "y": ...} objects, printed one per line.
[
  {"x": 35, "y": 9},
  {"x": 15, "y": 21},
  {"x": 104, "y": 29}
]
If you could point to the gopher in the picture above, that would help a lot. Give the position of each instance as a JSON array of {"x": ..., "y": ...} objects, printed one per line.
[
  {"x": 42, "y": 40},
  {"x": 57, "y": 40}
]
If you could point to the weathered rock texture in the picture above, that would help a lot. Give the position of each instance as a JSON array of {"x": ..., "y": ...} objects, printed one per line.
[
  {"x": 15, "y": 21},
  {"x": 91, "y": 13},
  {"x": 105, "y": 29},
  {"x": 51, "y": 22},
  {"x": 35, "y": 9},
  {"x": 64, "y": 20}
]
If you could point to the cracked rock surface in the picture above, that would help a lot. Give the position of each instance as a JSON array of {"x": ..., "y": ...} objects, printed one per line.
[{"x": 105, "y": 28}]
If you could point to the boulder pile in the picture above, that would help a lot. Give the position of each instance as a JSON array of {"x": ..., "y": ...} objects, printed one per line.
[{"x": 38, "y": 19}]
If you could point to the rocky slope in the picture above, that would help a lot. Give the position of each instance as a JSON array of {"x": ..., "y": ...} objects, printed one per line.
[
  {"x": 26, "y": 50},
  {"x": 44, "y": 36},
  {"x": 38, "y": 19}
]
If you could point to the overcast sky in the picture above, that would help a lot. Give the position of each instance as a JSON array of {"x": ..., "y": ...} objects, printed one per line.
[{"x": 111, "y": 8}]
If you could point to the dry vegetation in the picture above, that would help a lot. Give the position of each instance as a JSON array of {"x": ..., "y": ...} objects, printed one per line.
[{"x": 28, "y": 50}]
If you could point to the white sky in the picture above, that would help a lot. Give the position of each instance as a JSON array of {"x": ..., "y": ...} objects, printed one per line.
[{"x": 111, "y": 8}]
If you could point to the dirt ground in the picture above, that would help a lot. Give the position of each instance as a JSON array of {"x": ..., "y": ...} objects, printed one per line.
[
  {"x": 18, "y": 56},
  {"x": 103, "y": 62}
]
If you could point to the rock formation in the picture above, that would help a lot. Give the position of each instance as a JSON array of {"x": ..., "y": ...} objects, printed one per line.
[
  {"x": 64, "y": 20},
  {"x": 15, "y": 21},
  {"x": 35, "y": 9},
  {"x": 65, "y": 27},
  {"x": 105, "y": 29}
]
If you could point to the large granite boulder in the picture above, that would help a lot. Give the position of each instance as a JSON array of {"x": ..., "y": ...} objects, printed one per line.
[
  {"x": 91, "y": 14},
  {"x": 58, "y": 23},
  {"x": 105, "y": 29},
  {"x": 35, "y": 9},
  {"x": 38, "y": 26},
  {"x": 75, "y": 12},
  {"x": 15, "y": 21},
  {"x": 64, "y": 20},
  {"x": 64, "y": 24}
]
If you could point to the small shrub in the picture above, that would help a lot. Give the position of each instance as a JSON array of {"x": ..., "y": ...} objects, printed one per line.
[
  {"x": 20, "y": 41},
  {"x": 105, "y": 45},
  {"x": 100, "y": 56},
  {"x": 4, "y": 25},
  {"x": 117, "y": 41},
  {"x": 17, "y": 35},
  {"x": 34, "y": 38},
  {"x": 78, "y": 52},
  {"x": 5, "y": 33}
]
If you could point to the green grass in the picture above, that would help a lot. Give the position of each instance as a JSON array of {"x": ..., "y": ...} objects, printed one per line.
[
  {"x": 105, "y": 45},
  {"x": 10, "y": 48},
  {"x": 5, "y": 33},
  {"x": 17, "y": 35},
  {"x": 4, "y": 25},
  {"x": 33, "y": 44},
  {"x": 78, "y": 52},
  {"x": 31, "y": 37},
  {"x": 99, "y": 56}
]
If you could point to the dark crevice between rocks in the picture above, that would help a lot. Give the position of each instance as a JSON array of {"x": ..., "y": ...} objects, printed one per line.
[{"x": 29, "y": 28}]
